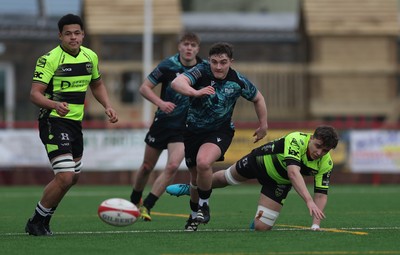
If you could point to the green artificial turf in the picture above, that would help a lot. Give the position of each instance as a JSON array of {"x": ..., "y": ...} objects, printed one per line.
[{"x": 361, "y": 219}]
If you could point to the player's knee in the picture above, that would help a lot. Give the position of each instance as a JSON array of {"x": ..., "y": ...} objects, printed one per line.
[
  {"x": 147, "y": 167},
  {"x": 265, "y": 218},
  {"x": 172, "y": 167},
  {"x": 203, "y": 165},
  {"x": 65, "y": 180},
  {"x": 75, "y": 178}
]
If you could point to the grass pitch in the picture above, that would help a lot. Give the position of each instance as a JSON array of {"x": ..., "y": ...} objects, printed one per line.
[{"x": 360, "y": 220}]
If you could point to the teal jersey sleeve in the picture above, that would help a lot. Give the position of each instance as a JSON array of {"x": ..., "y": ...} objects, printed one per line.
[{"x": 67, "y": 79}]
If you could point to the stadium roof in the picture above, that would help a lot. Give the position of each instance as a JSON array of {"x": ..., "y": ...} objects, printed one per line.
[{"x": 243, "y": 26}]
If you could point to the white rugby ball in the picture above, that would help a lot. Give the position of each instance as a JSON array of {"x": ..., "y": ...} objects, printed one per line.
[{"x": 118, "y": 212}]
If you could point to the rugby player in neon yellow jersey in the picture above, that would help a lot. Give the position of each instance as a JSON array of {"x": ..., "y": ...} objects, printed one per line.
[{"x": 61, "y": 79}]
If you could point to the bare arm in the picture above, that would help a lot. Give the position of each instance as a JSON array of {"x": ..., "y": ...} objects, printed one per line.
[
  {"x": 146, "y": 90},
  {"x": 261, "y": 111},
  {"x": 38, "y": 98},
  {"x": 100, "y": 93},
  {"x": 300, "y": 186},
  {"x": 320, "y": 200},
  {"x": 182, "y": 85}
]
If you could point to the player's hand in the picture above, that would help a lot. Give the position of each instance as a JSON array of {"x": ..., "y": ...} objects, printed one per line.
[
  {"x": 62, "y": 108},
  {"x": 315, "y": 211},
  {"x": 205, "y": 91},
  {"x": 259, "y": 134},
  {"x": 315, "y": 227},
  {"x": 112, "y": 115},
  {"x": 167, "y": 107}
]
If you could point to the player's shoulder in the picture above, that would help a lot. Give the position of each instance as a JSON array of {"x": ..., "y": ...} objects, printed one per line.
[
  {"x": 299, "y": 134},
  {"x": 326, "y": 162},
  {"x": 298, "y": 138},
  {"x": 171, "y": 61},
  {"x": 52, "y": 54},
  {"x": 88, "y": 51}
]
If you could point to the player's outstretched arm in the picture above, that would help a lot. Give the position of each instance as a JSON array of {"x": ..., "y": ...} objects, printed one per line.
[
  {"x": 320, "y": 200},
  {"x": 300, "y": 186}
]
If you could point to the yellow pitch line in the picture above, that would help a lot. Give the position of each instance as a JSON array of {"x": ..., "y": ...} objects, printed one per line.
[
  {"x": 170, "y": 214},
  {"x": 334, "y": 230}
]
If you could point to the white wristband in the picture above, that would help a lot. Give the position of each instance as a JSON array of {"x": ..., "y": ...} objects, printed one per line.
[{"x": 315, "y": 226}]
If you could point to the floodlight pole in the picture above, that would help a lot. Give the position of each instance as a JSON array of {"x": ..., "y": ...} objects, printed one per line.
[{"x": 147, "y": 55}]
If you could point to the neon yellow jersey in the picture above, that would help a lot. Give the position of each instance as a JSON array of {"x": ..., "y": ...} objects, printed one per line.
[
  {"x": 292, "y": 149},
  {"x": 67, "y": 79}
]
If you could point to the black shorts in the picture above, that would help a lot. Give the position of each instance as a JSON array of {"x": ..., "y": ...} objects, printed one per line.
[
  {"x": 159, "y": 137},
  {"x": 252, "y": 166},
  {"x": 222, "y": 138},
  {"x": 61, "y": 136}
]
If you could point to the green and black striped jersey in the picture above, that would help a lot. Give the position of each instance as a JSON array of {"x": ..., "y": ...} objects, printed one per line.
[
  {"x": 67, "y": 79},
  {"x": 292, "y": 150}
]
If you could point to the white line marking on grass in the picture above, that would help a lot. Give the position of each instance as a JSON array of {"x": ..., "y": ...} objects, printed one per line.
[
  {"x": 296, "y": 253},
  {"x": 282, "y": 228}
]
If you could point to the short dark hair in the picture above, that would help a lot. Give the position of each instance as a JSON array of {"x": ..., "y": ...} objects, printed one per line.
[
  {"x": 221, "y": 48},
  {"x": 189, "y": 36},
  {"x": 328, "y": 135},
  {"x": 69, "y": 19}
]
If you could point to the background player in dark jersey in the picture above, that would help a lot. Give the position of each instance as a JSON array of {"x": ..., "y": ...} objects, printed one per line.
[
  {"x": 166, "y": 131},
  {"x": 279, "y": 165},
  {"x": 61, "y": 79},
  {"x": 214, "y": 88}
]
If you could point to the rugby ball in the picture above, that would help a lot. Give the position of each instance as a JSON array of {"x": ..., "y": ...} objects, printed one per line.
[{"x": 118, "y": 212}]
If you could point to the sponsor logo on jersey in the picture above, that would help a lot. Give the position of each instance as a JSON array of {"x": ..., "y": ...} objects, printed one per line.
[
  {"x": 38, "y": 75},
  {"x": 89, "y": 68},
  {"x": 229, "y": 90},
  {"x": 66, "y": 69},
  {"x": 278, "y": 192},
  {"x": 294, "y": 143},
  {"x": 219, "y": 139},
  {"x": 293, "y": 152},
  {"x": 195, "y": 72},
  {"x": 41, "y": 62},
  {"x": 244, "y": 162},
  {"x": 156, "y": 73},
  {"x": 151, "y": 139},
  {"x": 326, "y": 178},
  {"x": 268, "y": 147},
  {"x": 65, "y": 84},
  {"x": 64, "y": 136}
]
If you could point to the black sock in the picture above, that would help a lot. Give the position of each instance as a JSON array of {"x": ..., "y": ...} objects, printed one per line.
[
  {"x": 40, "y": 213},
  {"x": 136, "y": 196},
  {"x": 204, "y": 194},
  {"x": 193, "y": 206},
  {"x": 150, "y": 201}
]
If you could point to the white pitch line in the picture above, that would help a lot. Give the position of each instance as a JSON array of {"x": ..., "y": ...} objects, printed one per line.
[{"x": 182, "y": 231}]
